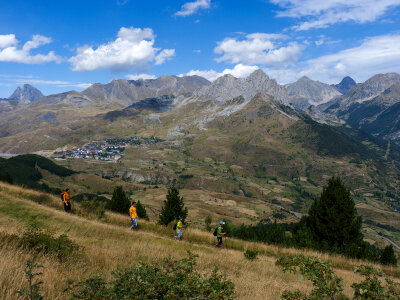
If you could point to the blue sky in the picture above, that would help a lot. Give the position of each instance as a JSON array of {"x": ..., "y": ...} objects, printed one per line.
[{"x": 63, "y": 45}]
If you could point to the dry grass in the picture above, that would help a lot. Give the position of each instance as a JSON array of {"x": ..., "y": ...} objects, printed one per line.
[{"x": 108, "y": 244}]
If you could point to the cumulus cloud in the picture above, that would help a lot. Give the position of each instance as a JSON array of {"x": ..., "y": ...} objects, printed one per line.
[
  {"x": 189, "y": 8},
  {"x": 238, "y": 71},
  {"x": 258, "y": 48},
  {"x": 133, "y": 49},
  {"x": 321, "y": 14},
  {"x": 9, "y": 51},
  {"x": 379, "y": 54},
  {"x": 140, "y": 76},
  {"x": 7, "y": 40}
]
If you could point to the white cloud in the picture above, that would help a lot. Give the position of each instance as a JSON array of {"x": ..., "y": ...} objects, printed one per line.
[
  {"x": 133, "y": 49},
  {"x": 164, "y": 55},
  {"x": 379, "y": 54},
  {"x": 258, "y": 48},
  {"x": 9, "y": 51},
  {"x": 189, "y": 8},
  {"x": 7, "y": 40},
  {"x": 238, "y": 71},
  {"x": 321, "y": 14},
  {"x": 140, "y": 76}
]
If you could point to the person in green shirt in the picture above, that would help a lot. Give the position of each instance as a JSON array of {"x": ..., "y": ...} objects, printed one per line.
[
  {"x": 220, "y": 233},
  {"x": 179, "y": 228}
]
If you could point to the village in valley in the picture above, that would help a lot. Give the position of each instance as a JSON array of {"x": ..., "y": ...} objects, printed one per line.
[{"x": 105, "y": 150}]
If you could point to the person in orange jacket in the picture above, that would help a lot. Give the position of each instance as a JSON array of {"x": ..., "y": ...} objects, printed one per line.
[{"x": 67, "y": 200}]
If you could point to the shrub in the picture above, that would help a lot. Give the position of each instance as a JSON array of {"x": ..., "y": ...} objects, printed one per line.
[
  {"x": 327, "y": 285},
  {"x": 41, "y": 198},
  {"x": 388, "y": 256},
  {"x": 251, "y": 254},
  {"x": 32, "y": 292},
  {"x": 39, "y": 241},
  {"x": 168, "y": 279},
  {"x": 207, "y": 223},
  {"x": 93, "y": 207}
]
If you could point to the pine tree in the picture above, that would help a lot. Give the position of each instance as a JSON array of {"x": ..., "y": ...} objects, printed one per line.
[
  {"x": 173, "y": 207},
  {"x": 332, "y": 219},
  {"x": 119, "y": 202},
  {"x": 141, "y": 211},
  {"x": 388, "y": 256}
]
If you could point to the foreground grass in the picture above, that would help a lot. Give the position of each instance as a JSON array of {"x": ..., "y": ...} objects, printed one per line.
[{"x": 108, "y": 244}]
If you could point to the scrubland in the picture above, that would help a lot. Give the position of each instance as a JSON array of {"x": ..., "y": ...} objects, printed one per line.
[{"x": 107, "y": 243}]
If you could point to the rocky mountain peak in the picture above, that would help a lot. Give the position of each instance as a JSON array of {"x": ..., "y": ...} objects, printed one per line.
[
  {"x": 345, "y": 85},
  {"x": 228, "y": 87},
  {"x": 26, "y": 94},
  {"x": 305, "y": 92}
]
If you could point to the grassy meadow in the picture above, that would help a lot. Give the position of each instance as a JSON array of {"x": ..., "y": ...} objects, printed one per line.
[{"x": 107, "y": 244}]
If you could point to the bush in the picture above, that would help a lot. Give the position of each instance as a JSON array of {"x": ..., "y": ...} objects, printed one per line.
[
  {"x": 388, "y": 256},
  {"x": 327, "y": 285},
  {"x": 93, "y": 207},
  {"x": 169, "y": 279},
  {"x": 39, "y": 241},
  {"x": 41, "y": 198},
  {"x": 207, "y": 223},
  {"x": 33, "y": 290},
  {"x": 251, "y": 254}
]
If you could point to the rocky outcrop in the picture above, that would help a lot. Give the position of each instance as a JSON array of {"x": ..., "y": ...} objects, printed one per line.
[{"x": 228, "y": 87}]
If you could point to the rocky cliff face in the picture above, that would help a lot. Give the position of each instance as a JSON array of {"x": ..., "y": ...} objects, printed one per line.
[
  {"x": 305, "y": 92},
  {"x": 228, "y": 87}
]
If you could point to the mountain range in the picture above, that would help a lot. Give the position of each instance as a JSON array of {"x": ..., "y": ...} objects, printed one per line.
[{"x": 364, "y": 106}]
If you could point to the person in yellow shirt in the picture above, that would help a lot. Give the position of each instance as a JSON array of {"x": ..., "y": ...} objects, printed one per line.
[
  {"x": 132, "y": 212},
  {"x": 67, "y": 200},
  {"x": 179, "y": 228}
]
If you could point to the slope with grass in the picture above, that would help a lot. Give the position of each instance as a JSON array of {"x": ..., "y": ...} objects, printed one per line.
[{"x": 107, "y": 244}]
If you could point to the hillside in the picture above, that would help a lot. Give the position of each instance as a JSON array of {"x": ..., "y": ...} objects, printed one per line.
[
  {"x": 107, "y": 244},
  {"x": 26, "y": 170}
]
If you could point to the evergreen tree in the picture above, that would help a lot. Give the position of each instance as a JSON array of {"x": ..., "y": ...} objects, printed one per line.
[
  {"x": 173, "y": 207},
  {"x": 332, "y": 219},
  {"x": 388, "y": 256},
  {"x": 119, "y": 202},
  {"x": 141, "y": 211}
]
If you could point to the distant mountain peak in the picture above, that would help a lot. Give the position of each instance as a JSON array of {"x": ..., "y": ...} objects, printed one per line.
[
  {"x": 345, "y": 85},
  {"x": 26, "y": 94}
]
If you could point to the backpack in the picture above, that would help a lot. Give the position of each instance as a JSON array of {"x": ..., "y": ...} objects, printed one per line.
[
  {"x": 174, "y": 227},
  {"x": 62, "y": 196},
  {"x": 215, "y": 231}
]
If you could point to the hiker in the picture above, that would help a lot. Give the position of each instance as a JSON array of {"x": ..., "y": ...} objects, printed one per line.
[
  {"x": 179, "y": 228},
  {"x": 220, "y": 233},
  {"x": 133, "y": 214},
  {"x": 66, "y": 198}
]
